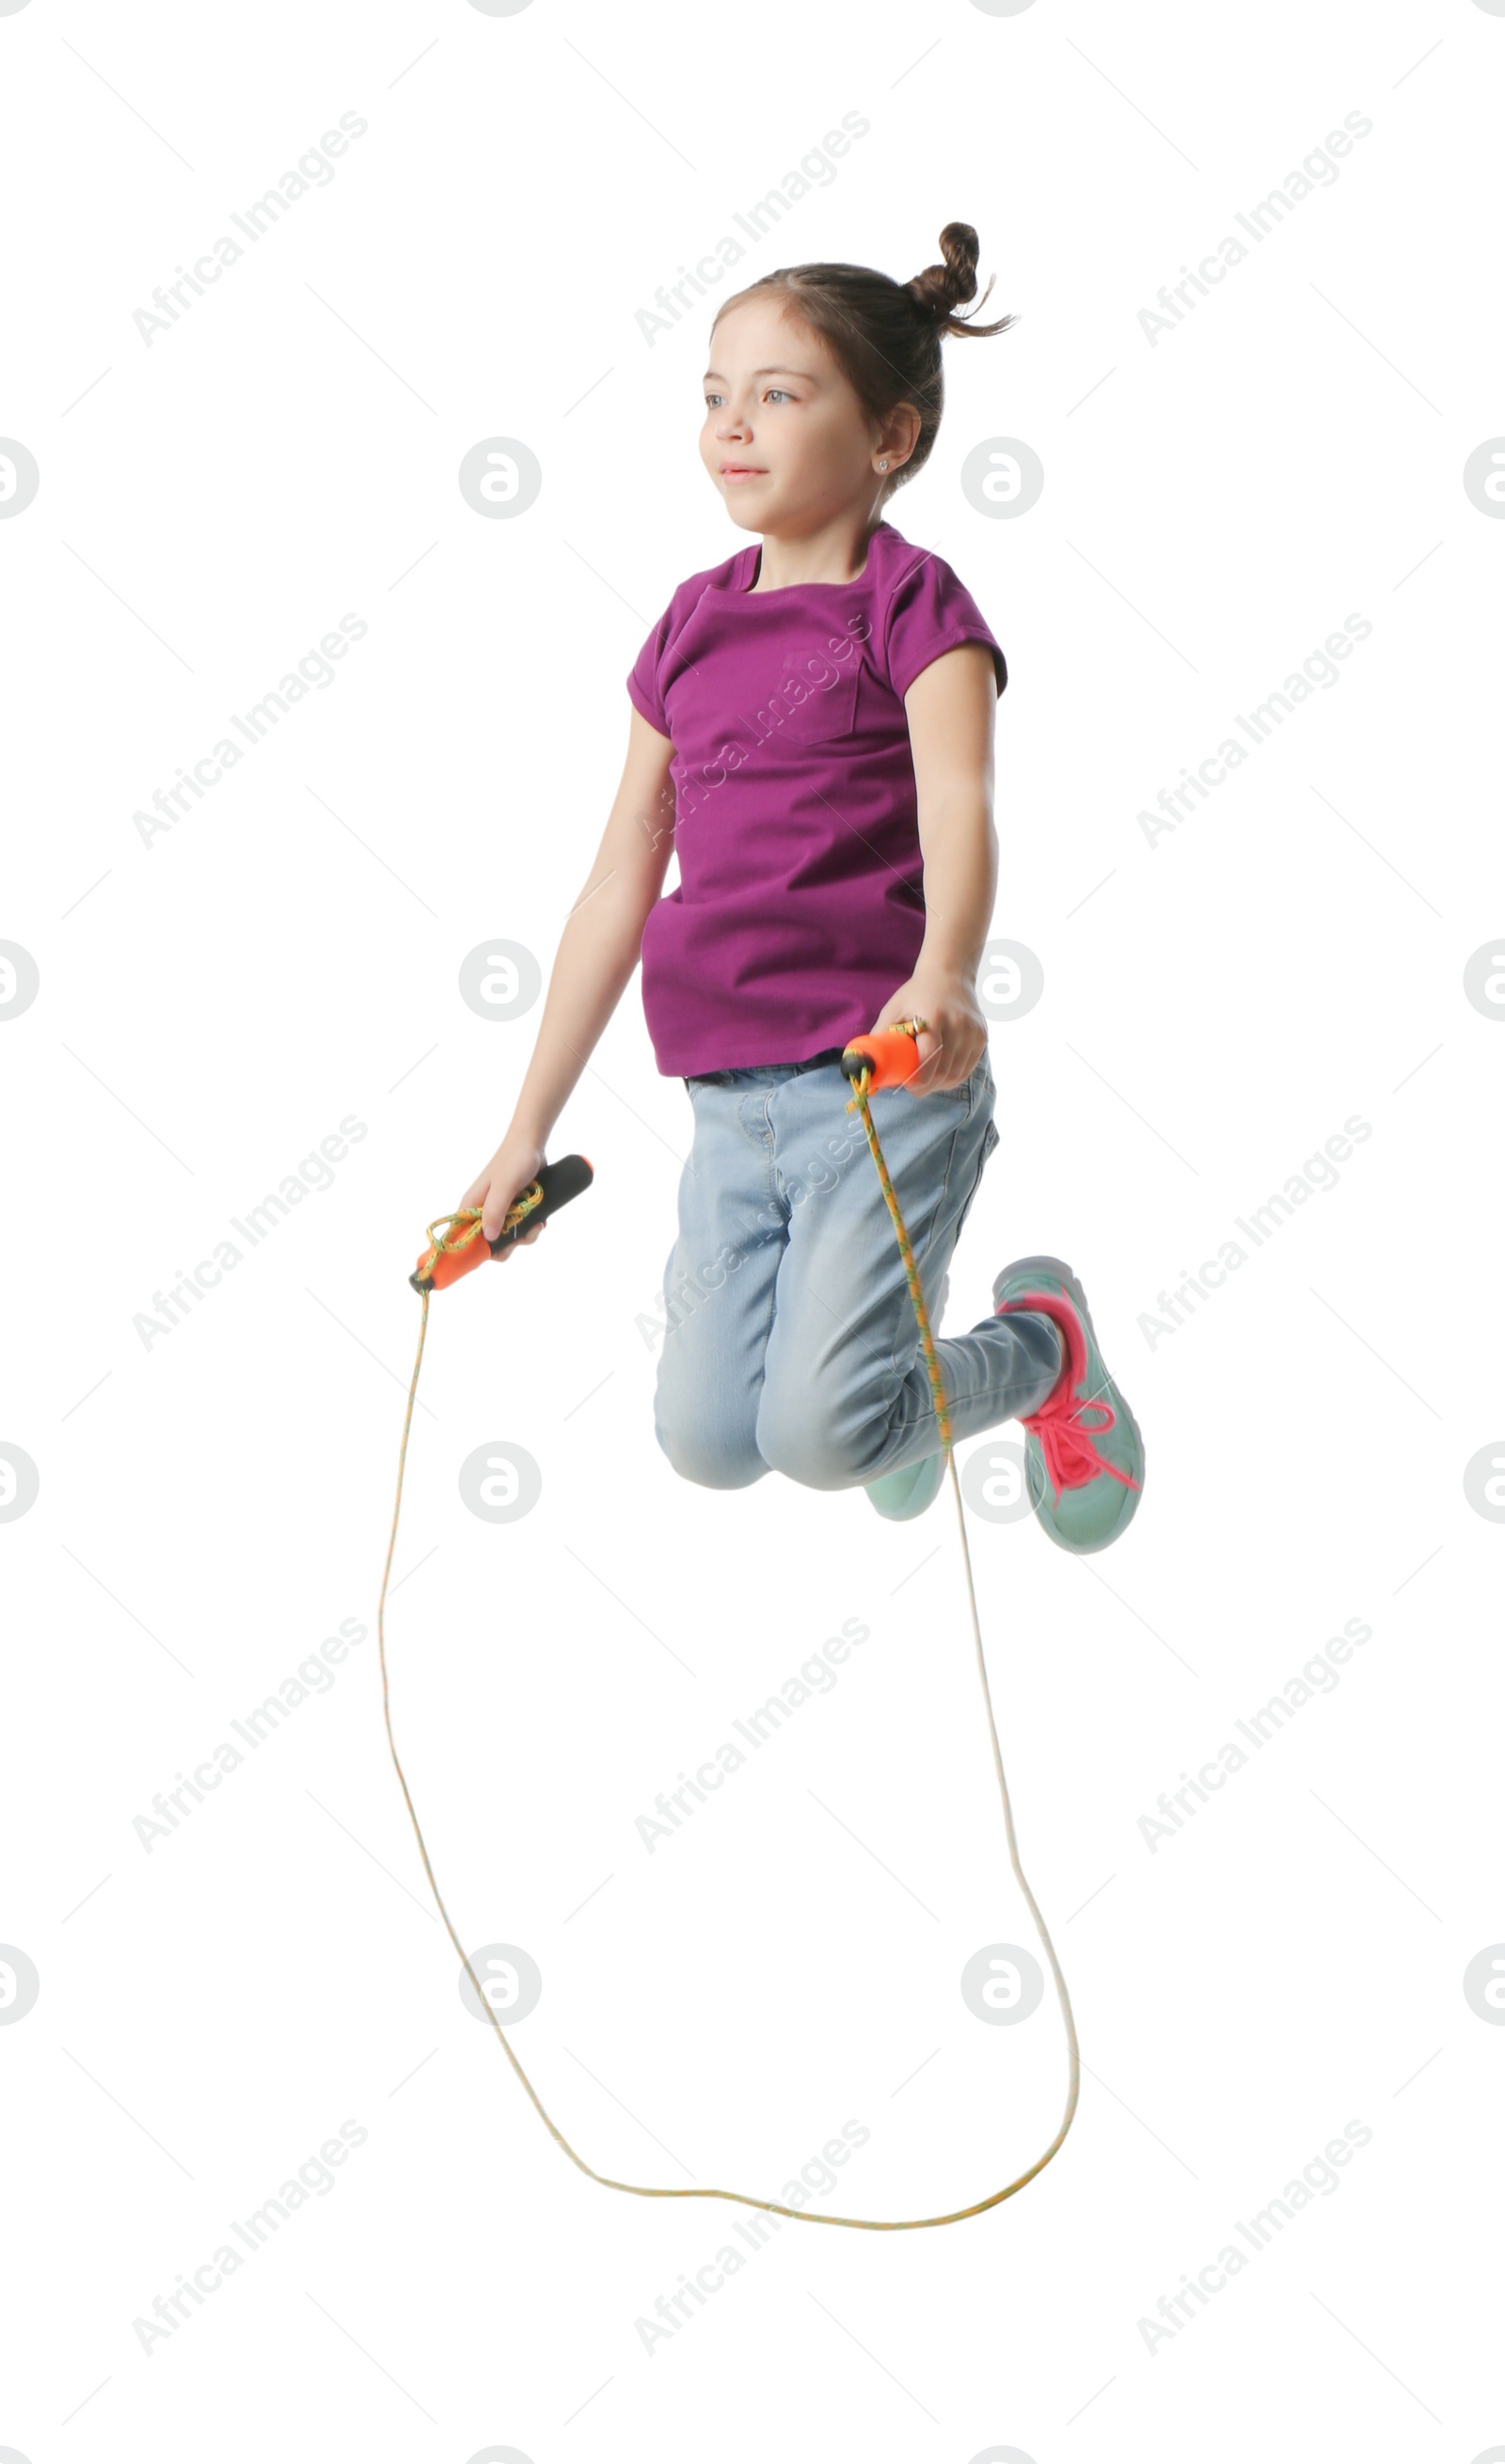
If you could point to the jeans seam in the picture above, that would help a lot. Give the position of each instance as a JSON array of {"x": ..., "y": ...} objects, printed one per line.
[{"x": 921, "y": 1255}]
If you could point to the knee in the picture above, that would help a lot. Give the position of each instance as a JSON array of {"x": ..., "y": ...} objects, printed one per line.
[
  {"x": 801, "y": 1434},
  {"x": 714, "y": 1458}
]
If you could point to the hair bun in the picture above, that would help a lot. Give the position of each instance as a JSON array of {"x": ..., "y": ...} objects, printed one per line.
[{"x": 942, "y": 288}]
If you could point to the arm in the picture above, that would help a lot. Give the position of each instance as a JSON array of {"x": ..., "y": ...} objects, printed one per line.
[
  {"x": 950, "y": 708},
  {"x": 598, "y": 950}
]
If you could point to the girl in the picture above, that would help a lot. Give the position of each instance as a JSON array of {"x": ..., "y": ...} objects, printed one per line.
[{"x": 812, "y": 732}]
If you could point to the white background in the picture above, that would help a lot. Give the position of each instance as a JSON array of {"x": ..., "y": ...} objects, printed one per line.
[{"x": 212, "y": 1504}]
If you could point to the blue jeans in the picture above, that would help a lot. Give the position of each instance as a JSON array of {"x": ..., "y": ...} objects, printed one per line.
[{"x": 792, "y": 1343}]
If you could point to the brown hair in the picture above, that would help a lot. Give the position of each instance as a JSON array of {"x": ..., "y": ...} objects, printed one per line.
[{"x": 886, "y": 336}]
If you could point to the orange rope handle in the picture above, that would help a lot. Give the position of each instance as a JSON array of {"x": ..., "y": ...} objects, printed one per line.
[
  {"x": 745, "y": 2198},
  {"x": 523, "y": 1204}
]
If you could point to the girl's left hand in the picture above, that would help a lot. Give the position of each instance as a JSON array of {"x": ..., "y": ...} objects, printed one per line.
[{"x": 954, "y": 1037}]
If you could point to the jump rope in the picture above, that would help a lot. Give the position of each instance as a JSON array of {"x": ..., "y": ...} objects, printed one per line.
[{"x": 869, "y": 1063}]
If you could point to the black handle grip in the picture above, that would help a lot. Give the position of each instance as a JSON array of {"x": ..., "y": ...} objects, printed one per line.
[{"x": 558, "y": 1182}]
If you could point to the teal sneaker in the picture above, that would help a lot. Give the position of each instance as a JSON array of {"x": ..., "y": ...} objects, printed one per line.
[
  {"x": 900, "y": 1495},
  {"x": 1085, "y": 1475}
]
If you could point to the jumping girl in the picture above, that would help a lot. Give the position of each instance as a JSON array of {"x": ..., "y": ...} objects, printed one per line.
[{"x": 812, "y": 735}]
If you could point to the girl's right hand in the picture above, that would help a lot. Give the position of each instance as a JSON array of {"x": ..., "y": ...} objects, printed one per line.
[{"x": 515, "y": 1164}]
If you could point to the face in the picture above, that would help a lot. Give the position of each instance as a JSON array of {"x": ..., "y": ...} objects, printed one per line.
[{"x": 784, "y": 439}]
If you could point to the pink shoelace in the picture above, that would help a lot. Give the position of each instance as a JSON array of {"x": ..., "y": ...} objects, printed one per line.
[{"x": 1066, "y": 1441}]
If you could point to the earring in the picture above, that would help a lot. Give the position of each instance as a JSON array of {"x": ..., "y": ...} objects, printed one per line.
[{"x": 882, "y": 466}]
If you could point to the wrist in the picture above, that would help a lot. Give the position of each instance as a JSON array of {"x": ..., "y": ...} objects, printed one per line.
[{"x": 946, "y": 966}]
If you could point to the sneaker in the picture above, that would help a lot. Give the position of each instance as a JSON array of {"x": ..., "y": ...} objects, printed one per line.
[
  {"x": 900, "y": 1495},
  {"x": 1084, "y": 1457}
]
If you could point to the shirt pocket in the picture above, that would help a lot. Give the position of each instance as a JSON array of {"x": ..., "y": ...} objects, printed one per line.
[{"x": 819, "y": 701}]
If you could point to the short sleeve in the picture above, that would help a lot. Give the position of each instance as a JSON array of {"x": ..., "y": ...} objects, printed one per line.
[
  {"x": 930, "y": 612},
  {"x": 642, "y": 683}
]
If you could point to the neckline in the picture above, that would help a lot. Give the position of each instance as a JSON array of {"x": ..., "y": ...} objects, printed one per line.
[{"x": 749, "y": 564}]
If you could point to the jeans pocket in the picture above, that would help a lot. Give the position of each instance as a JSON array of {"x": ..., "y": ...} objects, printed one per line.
[
  {"x": 976, "y": 1090},
  {"x": 960, "y": 1096}
]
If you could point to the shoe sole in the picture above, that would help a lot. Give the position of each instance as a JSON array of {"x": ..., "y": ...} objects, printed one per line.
[{"x": 910, "y": 1513}]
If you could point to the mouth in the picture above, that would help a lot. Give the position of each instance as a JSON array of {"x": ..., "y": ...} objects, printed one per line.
[{"x": 742, "y": 470}]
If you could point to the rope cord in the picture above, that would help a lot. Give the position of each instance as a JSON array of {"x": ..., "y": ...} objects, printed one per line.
[{"x": 521, "y": 1206}]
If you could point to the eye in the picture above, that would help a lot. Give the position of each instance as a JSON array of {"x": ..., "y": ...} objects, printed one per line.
[
  {"x": 711, "y": 400},
  {"x": 771, "y": 391}
]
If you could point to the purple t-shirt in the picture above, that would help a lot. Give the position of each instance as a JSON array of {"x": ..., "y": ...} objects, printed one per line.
[{"x": 800, "y": 907}]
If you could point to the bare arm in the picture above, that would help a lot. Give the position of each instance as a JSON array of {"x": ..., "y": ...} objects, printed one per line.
[
  {"x": 598, "y": 951},
  {"x": 950, "y": 708}
]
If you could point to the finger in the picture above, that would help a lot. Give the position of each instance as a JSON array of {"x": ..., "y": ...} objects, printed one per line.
[
  {"x": 523, "y": 1241},
  {"x": 922, "y": 1080}
]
